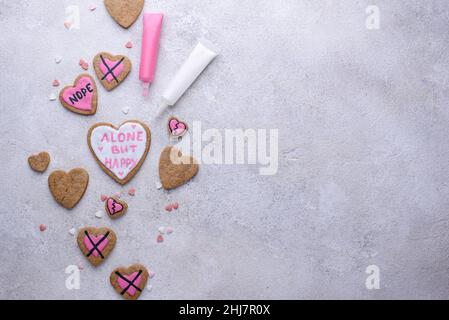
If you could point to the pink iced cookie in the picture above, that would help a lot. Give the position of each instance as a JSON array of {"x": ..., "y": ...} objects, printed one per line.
[
  {"x": 129, "y": 282},
  {"x": 80, "y": 98}
]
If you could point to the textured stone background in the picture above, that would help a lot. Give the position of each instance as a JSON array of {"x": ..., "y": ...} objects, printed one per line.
[{"x": 363, "y": 151}]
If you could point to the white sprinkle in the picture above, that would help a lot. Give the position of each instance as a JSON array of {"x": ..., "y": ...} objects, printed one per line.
[
  {"x": 52, "y": 97},
  {"x": 72, "y": 231},
  {"x": 92, "y": 7},
  {"x": 169, "y": 230},
  {"x": 161, "y": 230},
  {"x": 99, "y": 214},
  {"x": 125, "y": 110},
  {"x": 149, "y": 288},
  {"x": 158, "y": 185},
  {"x": 58, "y": 59}
]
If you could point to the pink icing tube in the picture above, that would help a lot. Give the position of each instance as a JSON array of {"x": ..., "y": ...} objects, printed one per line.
[{"x": 152, "y": 23}]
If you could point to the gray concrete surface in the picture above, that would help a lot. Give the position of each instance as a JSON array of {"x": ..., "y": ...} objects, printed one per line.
[{"x": 363, "y": 151}]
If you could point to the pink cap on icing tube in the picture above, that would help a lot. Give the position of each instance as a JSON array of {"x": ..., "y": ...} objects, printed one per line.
[{"x": 152, "y": 23}]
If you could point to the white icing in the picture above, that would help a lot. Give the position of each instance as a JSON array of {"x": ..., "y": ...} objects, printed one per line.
[{"x": 119, "y": 157}]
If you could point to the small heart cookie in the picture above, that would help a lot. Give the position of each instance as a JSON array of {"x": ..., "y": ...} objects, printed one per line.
[
  {"x": 68, "y": 188},
  {"x": 176, "y": 169},
  {"x": 96, "y": 244},
  {"x": 111, "y": 70},
  {"x": 39, "y": 162},
  {"x": 124, "y": 12},
  {"x": 121, "y": 151},
  {"x": 82, "y": 97},
  {"x": 176, "y": 128},
  {"x": 115, "y": 207},
  {"x": 129, "y": 282}
]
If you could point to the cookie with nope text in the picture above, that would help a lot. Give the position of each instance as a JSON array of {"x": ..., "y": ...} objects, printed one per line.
[
  {"x": 111, "y": 70},
  {"x": 129, "y": 282},
  {"x": 96, "y": 244},
  {"x": 124, "y": 12},
  {"x": 68, "y": 188},
  {"x": 121, "y": 151},
  {"x": 82, "y": 97},
  {"x": 115, "y": 208}
]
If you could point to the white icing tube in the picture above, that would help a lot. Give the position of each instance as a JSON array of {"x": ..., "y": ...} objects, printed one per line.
[{"x": 198, "y": 60}]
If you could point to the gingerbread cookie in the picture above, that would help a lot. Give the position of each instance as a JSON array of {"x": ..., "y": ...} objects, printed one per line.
[
  {"x": 121, "y": 151},
  {"x": 68, "y": 188},
  {"x": 39, "y": 162},
  {"x": 124, "y": 12},
  {"x": 129, "y": 282},
  {"x": 82, "y": 97},
  {"x": 111, "y": 70},
  {"x": 96, "y": 244},
  {"x": 115, "y": 207},
  {"x": 176, "y": 127},
  {"x": 176, "y": 169}
]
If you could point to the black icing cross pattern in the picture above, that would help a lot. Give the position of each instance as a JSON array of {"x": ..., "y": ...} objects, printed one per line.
[
  {"x": 110, "y": 70},
  {"x": 130, "y": 283},
  {"x": 95, "y": 245}
]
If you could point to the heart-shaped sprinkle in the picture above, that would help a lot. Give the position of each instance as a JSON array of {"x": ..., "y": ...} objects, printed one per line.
[
  {"x": 42, "y": 227},
  {"x": 124, "y": 148},
  {"x": 129, "y": 45},
  {"x": 111, "y": 70},
  {"x": 176, "y": 127},
  {"x": 55, "y": 83},
  {"x": 96, "y": 244},
  {"x": 80, "y": 98},
  {"x": 176, "y": 169},
  {"x": 115, "y": 207},
  {"x": 129, "y": 282},
  {"x": 124, "y": 12},
  {"x": 39, "y": 162},
  {"x": 68, "y": 188},
  {"x": 83, "y": 64}
]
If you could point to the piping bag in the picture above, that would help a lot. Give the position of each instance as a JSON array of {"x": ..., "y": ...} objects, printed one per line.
[
  {"x": 152, "y": 23},
  {"x": 197, "y": 61}
]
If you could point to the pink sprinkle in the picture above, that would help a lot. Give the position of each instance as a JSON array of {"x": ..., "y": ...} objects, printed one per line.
[
  {"x": 160, "y": 238},
  {"x": 84, "y": 64},
  {"x": 67, "y": 24},
  {"x": 175, "y": 205},
  {"x": 169, "y": 230},
  {"x": 42, "y": 227},
  {"x": 151, "y": 274},
  {"x": 80, "y": 266},
  {"x": 55, "y": 83},
  {"x": 103, "y": 197},
  {"x": 118, "y": 194},
  {"x": 132, "y": 192},
  {"x": 168, "y": 207},
  {"x": 129, "y": 45},
  {"x": 92, "y": 7}
]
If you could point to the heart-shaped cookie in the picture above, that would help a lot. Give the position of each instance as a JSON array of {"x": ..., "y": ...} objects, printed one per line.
[
  {"x": 68, "y": 188},
  {"x": 115, "y": 207},
  {"x": 124, "y": 12},
  {"x": 39, "y": 162},
  {"x": 176, "y": 128},
  {"x": 96, "y": 243},
  {"x": 120, "y": 151},
  {"x": 129, "y": 282},
  {"x": 82, "y": 97},
  {"x": 111, "y": 70},
  {"x": 176, "y": 169}
]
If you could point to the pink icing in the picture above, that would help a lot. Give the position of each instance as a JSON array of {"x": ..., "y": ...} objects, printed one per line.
[
  {"x": 114, "y": 206},
  {"x": 95, "y": 239},
  {"x": 81, "y": 95},
  {"x": 117, "y": 71},
  {"x": 123, "y": 284},
  {"x": 176, "y": 127}
]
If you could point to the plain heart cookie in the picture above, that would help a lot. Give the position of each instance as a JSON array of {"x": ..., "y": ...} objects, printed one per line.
[
  {"x": 176, "y": 127},
  {"x": 111, "y": 70},
  {"x": 129, "y": 282},
  {"x": 81, "y": 97},
  {"x": 39, "y": 162},
  {"x": 121, "y": 151},
  {"x": 96, "y": 243},
  {"x": 68, "y": 188},
  {"x": 115, "y": 208},
  {"x": 124, "y": 12},
  {"x": 176, "y": 169}
]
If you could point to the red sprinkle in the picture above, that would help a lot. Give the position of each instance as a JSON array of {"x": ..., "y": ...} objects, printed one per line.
[
  {"x": 103, "y": 197},
  {"x": 129, "y": 45},
  {"x": 168, "y": 207},
  {"x": 42, "y": 227},
  {"x": 175, "y": 205},
  {"x": 84, "y": 64},
  {"x": 55, "y": 83},
  {"x": 132, "y": 192},
  {"x": 160, "y": 238}
]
